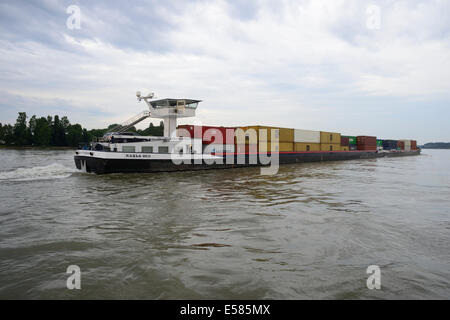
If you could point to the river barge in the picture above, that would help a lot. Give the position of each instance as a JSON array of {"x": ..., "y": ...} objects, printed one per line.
[{"x": 119, "y": 152}]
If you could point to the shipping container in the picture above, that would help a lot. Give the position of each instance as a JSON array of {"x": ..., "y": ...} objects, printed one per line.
[
  {"x": 413, "y": 145},
  {"x": 265, "y": 146},
  {"x": 406, "y": 145},
  {"x": 306, "y": 136},
  {"x": 344, "y": 148},
  {"x": 330, "y": 137},
  {"x": 366, "y": 143},
  {"x": 351, "y": 139},
  {"x": 208, "y": 134},
  {"x": 390, "y": 144},
  {"x": 400, "y": 145},
  {"x": 218, "y": 135},
  {"x": 379, "y": 143},
  {"x": 300, "y": 146},
  {"x": 330, "y": 147},
  {"x": 243, "y": 135},
  {"x": 282, "y": 134},
  {"x": 369, "y": 140},
  {"x": 345, "y": 141},
  {"x": 353, "y": 147}
]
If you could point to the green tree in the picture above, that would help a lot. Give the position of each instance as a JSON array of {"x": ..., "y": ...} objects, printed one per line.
[
  {"x": 42, "y": 132},
  {"x": 74, "y": 135},
  {"x": 20, "y": 129},
  {"x": 152, "y": 130},
  {"x": 58, "y": 132},
  {"x": 30, "y": 130},
  {"x": 8, "y": 135},
  {"x": 65, "y": 123},
  {"x": 86, "y": 136},
  {"x": 111, "y": 126}
]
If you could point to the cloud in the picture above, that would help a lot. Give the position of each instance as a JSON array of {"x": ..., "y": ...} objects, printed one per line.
[{"x": 290, "y": 63}]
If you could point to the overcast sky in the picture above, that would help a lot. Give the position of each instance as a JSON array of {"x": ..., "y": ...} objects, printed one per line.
[{"x": 357, "y": 67}]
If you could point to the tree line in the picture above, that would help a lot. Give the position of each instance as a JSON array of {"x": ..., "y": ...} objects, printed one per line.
[
  {"x": 56, "y": 131},
  {"x": 436, "y": 145}
]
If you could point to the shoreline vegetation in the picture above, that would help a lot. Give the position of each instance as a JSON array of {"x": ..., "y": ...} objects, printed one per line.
[
  {"x": 50, "y": 132},
  {"x": 436, "y": 145}
]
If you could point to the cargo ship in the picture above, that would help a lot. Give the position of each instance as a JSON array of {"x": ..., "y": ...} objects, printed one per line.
[{"x": 191, "y": 147}]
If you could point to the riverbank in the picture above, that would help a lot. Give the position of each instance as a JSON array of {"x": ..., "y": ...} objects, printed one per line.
[{"x": 436, "y": 145}]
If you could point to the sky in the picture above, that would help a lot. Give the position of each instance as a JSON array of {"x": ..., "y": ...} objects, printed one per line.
[{"x": 356, "y": 67}]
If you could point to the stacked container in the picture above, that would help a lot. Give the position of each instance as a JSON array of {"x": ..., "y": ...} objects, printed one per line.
[
  {"x": 222, "y": 138},
  {"x": 406, "y": 145},
  {"x": 330, "y": 141},
  {"x": 208, "y": 134},
  {"x": 345, "y": 143},
  {"x": 366, "y": 143},
  {"x": 379, "y": 144},
  {"x": 413, "y": 145},
  {"x": 351, "y": 143},
  {"x": 265, "y": 139},
  {"x": 389, "y": 144},
  {"x": 244, "y": 141},
  {"x": 306, "y": 140}
]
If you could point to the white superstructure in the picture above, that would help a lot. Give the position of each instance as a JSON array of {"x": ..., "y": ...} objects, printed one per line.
[{"x": 168, "y": 109}]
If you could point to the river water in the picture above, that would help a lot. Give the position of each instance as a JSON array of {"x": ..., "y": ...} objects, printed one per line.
[{"x": 309, "y": 232}]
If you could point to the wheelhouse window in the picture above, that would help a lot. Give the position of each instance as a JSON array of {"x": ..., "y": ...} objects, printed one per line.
[
  {"x": 164, "y": 103},
  {"x": 129, "y": 149},
  {"x": 147, "y": 149},
  {"x": 163, "y": 149}
]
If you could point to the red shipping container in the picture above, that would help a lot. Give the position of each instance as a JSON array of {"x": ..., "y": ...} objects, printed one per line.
[
  {"x": 401, "y": 145},
  {"x": 413, "y": 145},
  {"x": 208, "y": 134},
  {"x": 366, "y": 143},
  {"x": 345, "y": 141}
]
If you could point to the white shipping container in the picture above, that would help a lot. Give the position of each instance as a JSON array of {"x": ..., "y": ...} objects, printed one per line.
[
  {"x": 407, "y": 145},
  {"x": 306, "y": 136}
]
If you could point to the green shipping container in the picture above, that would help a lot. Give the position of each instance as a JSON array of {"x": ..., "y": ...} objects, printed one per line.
[
  {"x": 351, "y": 139},
  {"x": 379, "y": 143}
]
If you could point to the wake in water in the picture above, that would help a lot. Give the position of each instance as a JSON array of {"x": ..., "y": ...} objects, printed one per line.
[{"x": 52, "y": 171}]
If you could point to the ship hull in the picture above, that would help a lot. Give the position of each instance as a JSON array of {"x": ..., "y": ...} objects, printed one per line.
[{"x": 111, "y": 162}]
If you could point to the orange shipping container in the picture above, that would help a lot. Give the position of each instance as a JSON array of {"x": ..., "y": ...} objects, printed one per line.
[
  {"x": 300, "y": 146},
  {"x": 252, "y": 132},
  {"x": 330, "y": 146},
  {"x": 264, "y": 146},
  {"x": 330, "y": 137}
]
